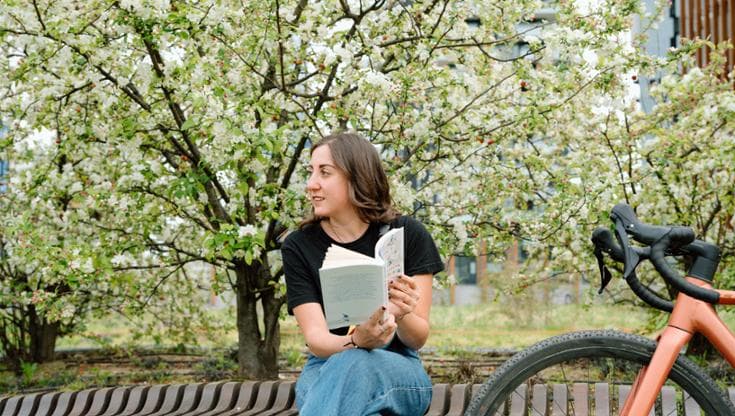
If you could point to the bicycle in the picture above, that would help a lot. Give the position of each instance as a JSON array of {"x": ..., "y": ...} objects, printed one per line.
[{"x": 637, "y": 366}]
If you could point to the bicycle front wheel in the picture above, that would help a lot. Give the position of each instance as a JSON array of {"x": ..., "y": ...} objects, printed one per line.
[{"x": 590, "y": 362}]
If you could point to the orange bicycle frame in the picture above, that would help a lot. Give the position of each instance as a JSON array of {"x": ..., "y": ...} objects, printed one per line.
[{"x": 689, "y": 317}]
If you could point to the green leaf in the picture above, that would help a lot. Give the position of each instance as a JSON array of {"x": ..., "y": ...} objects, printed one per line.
[{"x": 189, "y": 123}]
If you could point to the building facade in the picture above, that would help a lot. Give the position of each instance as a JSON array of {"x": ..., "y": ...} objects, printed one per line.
[{"x": 707, "y": 19}]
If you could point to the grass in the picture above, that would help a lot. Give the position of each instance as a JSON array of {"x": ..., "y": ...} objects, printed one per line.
[
  {"x": 495, "y": 325},
  {"x": 460, "y": 334},
  {"x": 490, "y": 325},
  {"x": 503, "y": 326},
  {"x": 457, "y": 331}
]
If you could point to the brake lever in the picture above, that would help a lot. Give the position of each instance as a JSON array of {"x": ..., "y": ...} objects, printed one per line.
[
  {"x": 630, "y": 257},
  {"x": 605, "y": 275}
]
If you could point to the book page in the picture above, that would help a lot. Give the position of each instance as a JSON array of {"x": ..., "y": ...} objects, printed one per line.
[
  {"x": 390, "y": 249},
  {"x": 336, "y": 256},
  {"x": 352, "y": 293}
]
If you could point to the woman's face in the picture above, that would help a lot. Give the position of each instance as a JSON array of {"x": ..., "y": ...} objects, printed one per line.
[{"x": 327, "y": 185}]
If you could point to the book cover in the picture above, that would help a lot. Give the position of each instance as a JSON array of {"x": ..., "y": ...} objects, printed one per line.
[{"x": 354, "y": 285}]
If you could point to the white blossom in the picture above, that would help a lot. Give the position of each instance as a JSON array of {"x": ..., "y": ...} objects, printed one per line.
[{"x": 246, "y": 231}]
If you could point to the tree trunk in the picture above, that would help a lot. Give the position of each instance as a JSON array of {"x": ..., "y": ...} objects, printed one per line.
[
  {"x": 257, "y": 353},
  {"x": 43, "y": 335},
  {"x": 272, "y": 342},
  {"x": 28, "y": 339}
]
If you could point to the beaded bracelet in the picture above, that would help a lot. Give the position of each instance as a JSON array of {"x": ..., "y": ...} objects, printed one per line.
[{"x": 351, "y": 343}]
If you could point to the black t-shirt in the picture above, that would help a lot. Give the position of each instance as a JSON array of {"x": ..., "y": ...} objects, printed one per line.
[{"x": 303, "y": 252}]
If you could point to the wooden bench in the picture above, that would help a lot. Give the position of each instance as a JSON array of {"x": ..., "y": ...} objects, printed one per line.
[
  {"x": 276, "y": 398},
  {"x": 599, "y": 400}
]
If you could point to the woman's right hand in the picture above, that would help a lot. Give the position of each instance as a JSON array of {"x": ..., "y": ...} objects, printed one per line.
[{"x": 376, "y": 331}]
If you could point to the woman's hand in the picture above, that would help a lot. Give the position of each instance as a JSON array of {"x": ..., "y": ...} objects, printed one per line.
[
  {"x": 376, "y": 331},
  {"x": 404, "y": 296}
]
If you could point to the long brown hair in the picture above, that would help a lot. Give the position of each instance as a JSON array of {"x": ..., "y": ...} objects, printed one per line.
[{"x": 368, "y": 187}]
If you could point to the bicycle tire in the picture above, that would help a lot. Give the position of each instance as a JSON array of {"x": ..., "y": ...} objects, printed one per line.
[{"x": 538, "y": 365}]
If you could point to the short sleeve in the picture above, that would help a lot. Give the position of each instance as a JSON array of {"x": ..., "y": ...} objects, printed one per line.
[
  {"x": 422, "y": 256},
  {"x": 300, "y": 285}
]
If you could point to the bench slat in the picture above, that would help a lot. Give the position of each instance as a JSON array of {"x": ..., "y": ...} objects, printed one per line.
[
  {"x": 191, "y": 395},
  {"x": 47, "y": 403},
  {"x": 540, "y": 400},
  {"x": 118, "y": 399},
  {"x": 137, "y": 397},
  {"x": 12, "y": 405},
  {"x": 561, "y": 400},
  {"x": 210, "y": 394},
  {"x": 100, "y": 400},
  {"x": 153, "y": 399},
  {"x": 623, "y": 392},
  {"x": 580, "y": 399},
  {"x": 519, "y": 401},
  {"x": 476, "y": 390},
  {"x": 265, "y": 396},
  {"x": 691, "y": 408},
  {"x": 602, "y": 399},
  {"x": 668, "y": 400},
  {"x": 63, "y": 403},
  {"x": 284, "y": 398},
  {"x": 232, "y": 395},
  {"x": 277, "y": 398},
  {"x": 29, "y": 404},
  {"x": 171, "y": 399},
  {"x": 458, "y": 399},
  {"x": 439, "y": 400},
  {"x": 82, "y": 402},
  {"x": 291, "y": 411}
]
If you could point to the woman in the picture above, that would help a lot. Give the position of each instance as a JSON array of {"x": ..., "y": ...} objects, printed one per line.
[{"x": 373, "y": 369}]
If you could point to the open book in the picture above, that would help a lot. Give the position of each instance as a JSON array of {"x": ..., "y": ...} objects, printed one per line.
[{"x": 354, "y": 285}]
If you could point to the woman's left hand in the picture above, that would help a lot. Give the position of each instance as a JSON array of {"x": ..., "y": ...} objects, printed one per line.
[{"x": 404, "y": 296}]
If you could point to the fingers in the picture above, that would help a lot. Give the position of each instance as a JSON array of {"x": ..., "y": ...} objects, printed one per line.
[
  {"x": 376, "y": 331},
  {"x": 404, "y": 290},
  {"x": 380, "y": 327},
  {"x": 387, "y": 328},
  {"x": 377, "y": 316},
  {"x": 404, "y": 296},
  {"x": 408, "y": 281},
  {"x": 383, "y": 325},
  {"x": 389, "y": 325},
  {"x": 403, "y": 293},
  {"x": 404, "y": 300},
  {"x": 405, "y": 284}
]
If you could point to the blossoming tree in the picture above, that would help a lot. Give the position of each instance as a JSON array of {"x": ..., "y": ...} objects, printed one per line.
[
  {"x": 186, "y": 125},
  {"x": 59, "y": 264},
  {"x": 33, "y": 223}
]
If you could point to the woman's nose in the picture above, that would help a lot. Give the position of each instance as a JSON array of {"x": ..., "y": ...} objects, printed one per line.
[{"x": 312, "y": 183}]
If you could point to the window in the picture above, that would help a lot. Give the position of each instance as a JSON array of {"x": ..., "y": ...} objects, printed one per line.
[{"x": 465, "y": 270}]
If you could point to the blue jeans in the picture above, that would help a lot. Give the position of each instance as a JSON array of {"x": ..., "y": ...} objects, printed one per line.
[{"x": 360, "y": 382}]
